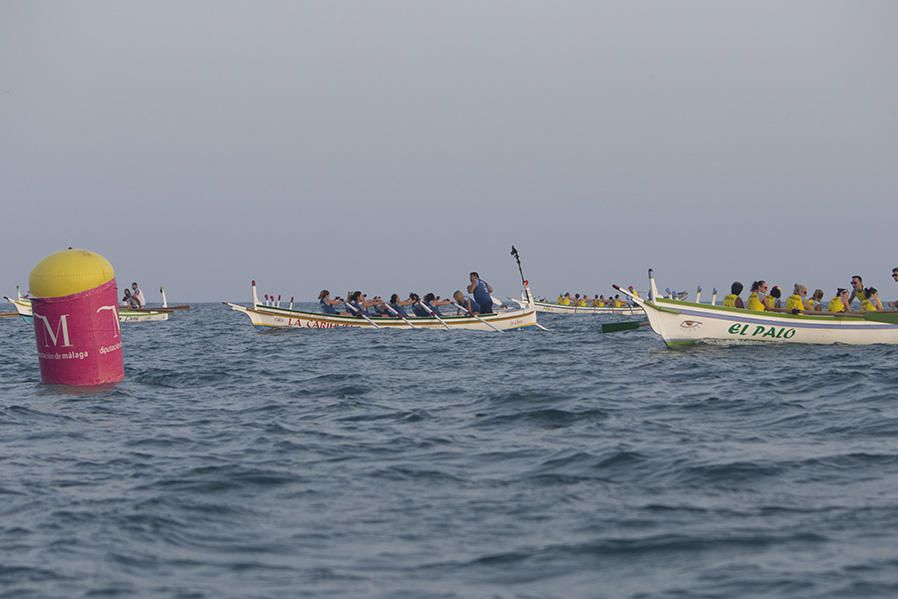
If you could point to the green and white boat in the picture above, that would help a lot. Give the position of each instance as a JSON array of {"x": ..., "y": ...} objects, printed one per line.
[
  {"x": 23, "y": 308},
  {"x": 685, "y": 323}
]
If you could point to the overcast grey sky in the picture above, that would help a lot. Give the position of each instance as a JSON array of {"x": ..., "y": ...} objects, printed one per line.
[{"x": 391, "y": 146}]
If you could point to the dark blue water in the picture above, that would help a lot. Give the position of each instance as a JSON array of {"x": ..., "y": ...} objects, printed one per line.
[{"x": 233, "y": 463}]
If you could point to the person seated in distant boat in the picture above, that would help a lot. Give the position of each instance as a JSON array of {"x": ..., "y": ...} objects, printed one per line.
[
  {"x": 870, "y": 300},
  {"x": 595, "y": 301},
  {"x": 559, "y": 299},
  {"x": 816, "y": 301},
  {"x": 581, "y": 301},
  {"x": 327, "y": 304},
  {"x": 894, "y": 305},
  {"x": 733, "y": 300},
  {"x": 795, "y": 303},
  {"x": 565, "y": 300},
  {"x": 128, "y": 300},
  {"x": 466, "y": 302},
  {"x": 632, "y": 290},
  {"x": 756, "y": 297},
  {"x": 618, "y": 302},
  {"x": 137, "y": 294},
  {"x": 399, "y": 305}
]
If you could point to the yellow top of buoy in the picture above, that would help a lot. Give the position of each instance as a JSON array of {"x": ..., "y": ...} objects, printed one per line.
[{"x": 69, "y": 271}]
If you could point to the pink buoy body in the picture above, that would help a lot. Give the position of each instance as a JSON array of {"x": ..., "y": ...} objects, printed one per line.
[{"x": 79, "y": 338}]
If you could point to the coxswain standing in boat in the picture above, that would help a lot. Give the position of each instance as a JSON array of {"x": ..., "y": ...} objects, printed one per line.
[
  {"x": 857, "y": 290},
  {"x": 137, "y": 294},
  {"x": 327, "y": 304},
  {"x": 481, "y": 291},
  {"x": 733, "y": 300},
  {"x": 894, "y": 304}
]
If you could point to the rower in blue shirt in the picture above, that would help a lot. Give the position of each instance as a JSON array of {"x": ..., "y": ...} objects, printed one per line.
[
  {"x": 399, "y": 305},
  {"x": 327, "y": 304},
  {"x": 481, "y": 291},
  {"x": 466, "y": 302},
  {"x": 433, "y": 302}
]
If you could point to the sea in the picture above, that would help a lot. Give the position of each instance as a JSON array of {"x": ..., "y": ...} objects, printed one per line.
[{"x": 373, "y": 463}]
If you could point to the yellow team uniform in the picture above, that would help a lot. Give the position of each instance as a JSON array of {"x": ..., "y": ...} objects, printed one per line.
[
  {"x": 867, "y": 305},
  {"x": 619, "y": 303},
  {"x": 581, "y": 303},
  {"x": 754, "y": 303},
  {"x": 835, "y": 305},
  {"x": 794, "y": 302},
  {"x": 730, "y": 301},
  {"x": 565, "y": 301}
]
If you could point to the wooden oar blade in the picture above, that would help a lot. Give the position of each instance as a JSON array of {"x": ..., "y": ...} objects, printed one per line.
[{"x": 629, "y": 325}]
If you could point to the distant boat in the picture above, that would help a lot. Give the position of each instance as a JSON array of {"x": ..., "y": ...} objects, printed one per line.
[{"x": 23, "y": 308}]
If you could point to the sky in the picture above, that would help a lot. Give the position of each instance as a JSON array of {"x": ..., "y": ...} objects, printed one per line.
[{"x": 396, "y": 146}]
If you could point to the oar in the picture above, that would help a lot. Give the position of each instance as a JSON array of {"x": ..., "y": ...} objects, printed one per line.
[
  {"x": 432, "y": 313},
  {"x": 631, "y": 325},
  {"x": 489, "y": 324},
  {"x": 407, "y": 321},
  {"x": 362, "y": 314}
]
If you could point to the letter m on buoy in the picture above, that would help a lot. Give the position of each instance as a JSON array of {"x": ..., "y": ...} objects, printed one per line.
[{"x": 52, "y": 335}]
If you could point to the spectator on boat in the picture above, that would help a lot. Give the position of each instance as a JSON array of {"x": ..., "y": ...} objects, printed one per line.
[
  {"x": 870, "y": 300},
  {"x": 327, "y": 304},
  {"x": 466, "y": 302},
  {"x": 837, "y": 303},
  {"x": 733, "y": 300},
  {"x": 857, "y": 290},
  {"x": 137, "y": 294},
  {"x": 816, "y": 301},
  {"x": 399, "y": 305},
  {"x": 756, "y": 297},
  {"x": 796, "y": 302},
  {"x": 773, "y": 301},
  {"x": 481, "y": 291}
]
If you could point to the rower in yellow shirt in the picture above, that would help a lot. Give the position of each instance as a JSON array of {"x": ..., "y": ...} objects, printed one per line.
[
  {"x": 796, "y": 301},
  {"x": 838, "y": 303},
  {"x": 756, "y": 298}
]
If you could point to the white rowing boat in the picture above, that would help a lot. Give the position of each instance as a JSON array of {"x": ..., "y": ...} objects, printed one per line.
[
  {"x": 267, "y": 316},
  {"x": 23, "y": 309},
  {"x": 684, "y": 323},
  {"x": 550, "y": 308}
]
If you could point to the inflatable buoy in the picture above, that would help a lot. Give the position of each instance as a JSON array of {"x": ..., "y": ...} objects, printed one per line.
[{"x": 76, "y": 323}]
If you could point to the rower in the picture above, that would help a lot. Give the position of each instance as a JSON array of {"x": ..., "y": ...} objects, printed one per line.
[
  {"x": 565, "y": 300},
  {"x": 128, "y": 300},
  {"x": 399, "y": 305},
  {"x": 756, "y": 298},
  {"x": 839, "y": 303},
  {"x": 581, "y": 302},
  {"x": 560, "y": 299},
  {"x": 773, "y": 301},
  {"x": 796, "y": 301},
  {"x": 633, "y": 291},
  {"x": 870, "y": 300},
  {"x": 596, "y": 300},
  {"x": 618, "y": 302},
  {"x": 327, "y": 304},
  {"x": 481, "y": 291},
  {"x": 434, "y": 302},
  {"x": 466, "y": 302},
  {"x": 816, "y": 301},
  {"x": 137, "y": 294},
  {"x": 733, "y": 300}
]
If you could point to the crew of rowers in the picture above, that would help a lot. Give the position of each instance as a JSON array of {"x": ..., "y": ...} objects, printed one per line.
[
  {"x": 358, "y": 304},
  {"x": 597, "y": 301},
  {"x": 133, "y": 298},
  {"x": 762, "y": 299}
]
